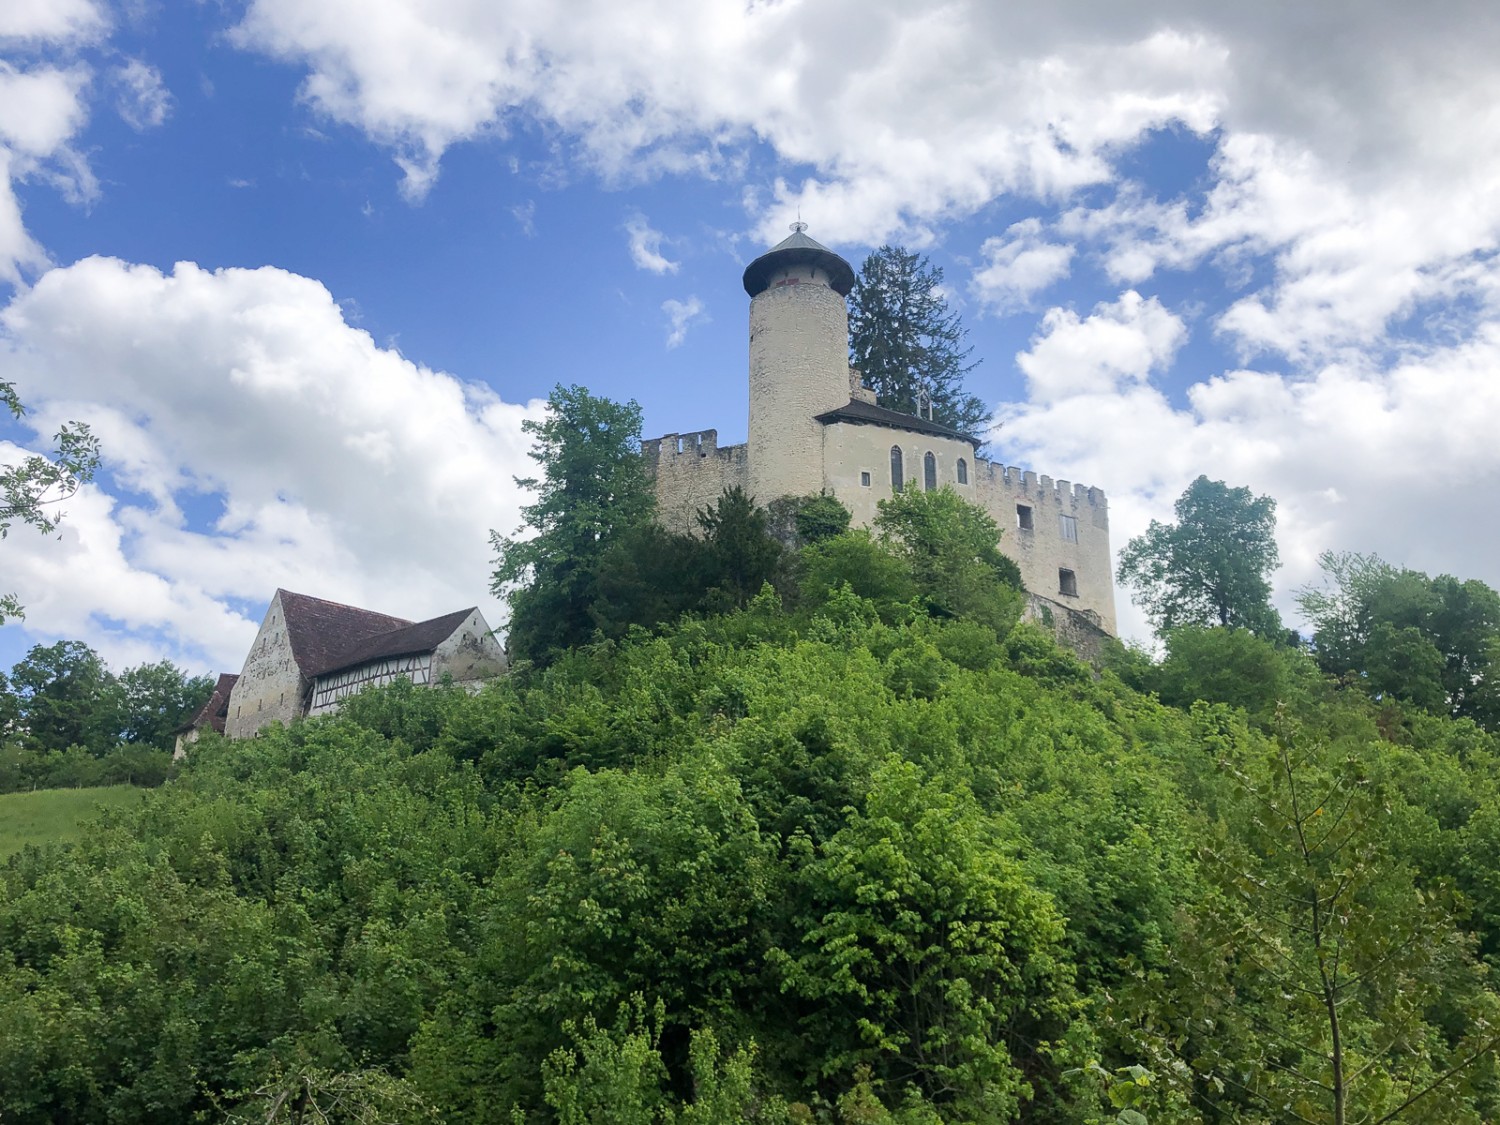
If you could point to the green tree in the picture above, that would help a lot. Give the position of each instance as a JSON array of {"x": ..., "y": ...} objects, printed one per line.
[
  {"x": 31, "y": 489},
  {"x": 593, "y": 489},
  {"x": 67, "y": 697},
  {"x": 953, "y": 551},
  {"x": 907, "y": 344},
  {"x": 1212, "y": 567},
  {"x": 1399, "y": 633},
  {"x": 1323, "y": 982},
  {"x": 741, "y": 554},
  {"x": 157, "y": 698}
]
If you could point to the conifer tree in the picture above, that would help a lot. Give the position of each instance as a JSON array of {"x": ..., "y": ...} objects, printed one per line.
[{"x": 909, "y": 346}]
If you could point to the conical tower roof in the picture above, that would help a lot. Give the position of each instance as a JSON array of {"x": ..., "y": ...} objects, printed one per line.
[{"x": 797, "y": 249}]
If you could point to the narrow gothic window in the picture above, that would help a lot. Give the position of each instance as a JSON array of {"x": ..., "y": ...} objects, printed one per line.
[
  {"x": 963, "y": 471},
  {"x": 897, "y": 477},
  {"x": 929, "y": 472}
]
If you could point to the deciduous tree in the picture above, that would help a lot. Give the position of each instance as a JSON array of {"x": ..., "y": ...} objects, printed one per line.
[
  {"x": 1212, "y": 567},
  {"x": 593, "y": 488},
  {"x": 31, "y": 489}
]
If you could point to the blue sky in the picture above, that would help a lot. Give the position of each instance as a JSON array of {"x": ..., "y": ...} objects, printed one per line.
[{"x": 306, "y": 265}]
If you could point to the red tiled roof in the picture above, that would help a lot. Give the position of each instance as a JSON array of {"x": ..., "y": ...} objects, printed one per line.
[
  {"x": 424, "y": 636},
  {"x": 216, "y": 709},
  {"x": 321, "y": 631}
]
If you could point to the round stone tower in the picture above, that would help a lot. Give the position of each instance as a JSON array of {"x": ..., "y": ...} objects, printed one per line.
[{"x": 799, "y": 361}]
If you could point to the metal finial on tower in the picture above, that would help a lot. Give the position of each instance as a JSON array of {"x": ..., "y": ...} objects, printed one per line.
[{"x": 799, "y": 226}]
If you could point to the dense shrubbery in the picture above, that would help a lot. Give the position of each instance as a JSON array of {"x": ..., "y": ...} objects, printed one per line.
[{"x": 854, "y": 861}]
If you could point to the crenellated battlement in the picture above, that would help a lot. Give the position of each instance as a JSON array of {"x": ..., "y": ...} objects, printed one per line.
[
  {"x": 700, "y": 443},
  {"x": 1040, "y": 488}
]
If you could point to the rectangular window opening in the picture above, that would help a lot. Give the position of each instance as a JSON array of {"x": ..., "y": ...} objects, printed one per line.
[
  {"x": 1067, "y": 583},
  {"x": 1068, "y": 526},
  {"x": 1023, "y": 517},
  {"x": 864, "y": 479}
]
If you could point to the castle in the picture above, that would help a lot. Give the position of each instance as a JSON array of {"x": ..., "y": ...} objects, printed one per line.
[{"x": 815, "y": 428}]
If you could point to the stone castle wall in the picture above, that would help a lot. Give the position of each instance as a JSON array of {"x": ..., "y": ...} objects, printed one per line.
[{"x": 691, "y": 472}]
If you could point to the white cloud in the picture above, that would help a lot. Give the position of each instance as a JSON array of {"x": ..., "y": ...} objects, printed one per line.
[
  {"x": 1355, "y": 144},
  {"x": 331, "y": 466},
  {"x": 1399, "y": 460},
  {"x": 142, "y": 100},
  {"x": 680, "y": 316},
  {"x": 645, "y": 246},
  {"x": 1018, "y": 266},
  {"x": 1120, "y": 341},
  {"x": 51, "y": 21}
]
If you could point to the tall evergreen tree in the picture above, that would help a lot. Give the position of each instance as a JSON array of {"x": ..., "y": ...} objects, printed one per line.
[{"x": 908, "y": 344}]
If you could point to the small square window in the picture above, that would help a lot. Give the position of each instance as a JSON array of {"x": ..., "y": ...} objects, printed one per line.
[
  {"x": 1067, "y": 583},
  {"x": 864, "y": 480},
  {"x": 1023, "y": 517},
  {"x": 1068, "y": 526}
]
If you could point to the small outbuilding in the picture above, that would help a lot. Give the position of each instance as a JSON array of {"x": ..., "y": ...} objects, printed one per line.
[{"x": 310, "y": 654}]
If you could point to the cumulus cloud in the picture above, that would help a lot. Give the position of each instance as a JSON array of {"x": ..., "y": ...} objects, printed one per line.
[
  {"x": 1119, "y": 342},
  {"x": 645, "y": 246},
  {"x": 1018, "y": 266},
  {"x": 141, "y": 99},
  {"x": 680, "y": 316},
  {"x": 50, "y": 21},
  {"x": 252, "y": 439},
  {"x": 1352, "y": 143},
  {"x": 1398, "y": 460}
]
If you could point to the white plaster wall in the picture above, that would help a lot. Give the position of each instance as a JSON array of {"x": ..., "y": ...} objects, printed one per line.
[
  {"x": 270, "y": 687},
  {"x": 849, "y": 449},
  {"x": 470, "y": 654},
  {"x": 1042, "y": 551},
  {"x": 799, "y": 368}
]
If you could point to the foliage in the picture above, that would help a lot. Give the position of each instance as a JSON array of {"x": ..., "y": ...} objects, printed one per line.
[
  {"x": 1212, "y": 567},
  {"x": 1320, "y": 962},
  {"x": 1401, "y": 634},
  {"x": 908, "y": 345},
  {"x": 593, "y": 489},
  {"x": 740, "y": 554},
  {"x": 61, "y": 700},
  {"x": 820, "y": 517},
  {"x": 953, "y": 550},
  {"x": 31, "y": 489},
  {"x": 860, "y": 851}
]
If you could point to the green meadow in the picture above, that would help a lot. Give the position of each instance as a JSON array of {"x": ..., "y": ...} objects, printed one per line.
[{"x": 55, "y": 815}]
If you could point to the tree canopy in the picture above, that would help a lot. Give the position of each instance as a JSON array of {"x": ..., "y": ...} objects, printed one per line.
[
  {"x": 592, "y": 491},
  {"x": 1212, "y": 567},
  {"x": 908, "y": 345}
]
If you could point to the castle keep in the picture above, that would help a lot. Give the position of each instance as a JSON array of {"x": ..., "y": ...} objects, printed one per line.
[{"x": 814, "y": 427}]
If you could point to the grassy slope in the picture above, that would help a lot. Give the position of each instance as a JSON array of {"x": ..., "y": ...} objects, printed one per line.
[{"x": 55, "y": 814}]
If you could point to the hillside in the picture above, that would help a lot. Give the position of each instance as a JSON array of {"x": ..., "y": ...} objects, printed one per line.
[
  {"x": 55, "y": 816},
  {"x": 839, "y": 861}
]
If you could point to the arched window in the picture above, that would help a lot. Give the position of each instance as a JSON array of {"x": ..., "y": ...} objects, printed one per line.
[
  {"x": 897, "y": 477},
  {"x": 929, "y": 472},
  {"x": 963, "y": 471}
]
